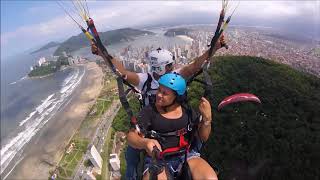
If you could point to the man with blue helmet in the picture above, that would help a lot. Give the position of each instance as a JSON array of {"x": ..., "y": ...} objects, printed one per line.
[{"x": 170, "y": 126}]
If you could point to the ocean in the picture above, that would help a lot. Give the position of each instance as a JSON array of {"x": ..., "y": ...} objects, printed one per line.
[{"x": 28, "y": 104}]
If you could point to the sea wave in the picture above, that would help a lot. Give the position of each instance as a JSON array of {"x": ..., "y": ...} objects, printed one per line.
[
  {"x": 38, "y": 118},
  {"x": 15, "y": 82},
  {"x": 45, "y": 103}
]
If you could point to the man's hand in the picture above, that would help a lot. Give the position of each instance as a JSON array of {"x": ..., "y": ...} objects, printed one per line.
[
  {"x": 94, "y": 49},
  {"x": 205, "y": 109},
  {"x": 221, "y": 43},
  {"x": 149, "y": 144}
]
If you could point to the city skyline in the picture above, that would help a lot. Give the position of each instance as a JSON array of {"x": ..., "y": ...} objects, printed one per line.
[{"x": 22, "y": 28}]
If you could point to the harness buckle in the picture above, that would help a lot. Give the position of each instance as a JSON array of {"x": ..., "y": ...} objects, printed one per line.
[
  {"x": 153, "y": 134},
  {"x": 189, "y": 127},
  {"x": 139, "y": 96}
]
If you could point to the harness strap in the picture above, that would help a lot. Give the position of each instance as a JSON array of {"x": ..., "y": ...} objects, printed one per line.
[
  {"x": 183, "y": 146},
  {"x": 145, "y": 89},
  {"x": 179, "y": 132},
  {"x": 145, "y": 92}
]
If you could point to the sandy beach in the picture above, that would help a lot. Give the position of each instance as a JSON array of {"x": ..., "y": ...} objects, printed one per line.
[{"x": 46, "y": 148}]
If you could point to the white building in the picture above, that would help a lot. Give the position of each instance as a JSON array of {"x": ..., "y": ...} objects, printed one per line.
[
  {"x": 88, "y": 176},
  {"x": 70, "y": 61},
  {"x": 95, "y": 157},
  {"x": 114, "y": 162},
  {"x": 41, "y": 61},
  {"x": 179, "y": 52},
  {"x": 73, "y": 60}
]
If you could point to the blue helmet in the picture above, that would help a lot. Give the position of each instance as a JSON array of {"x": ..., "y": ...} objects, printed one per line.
[{"x": 174, "y": 81}]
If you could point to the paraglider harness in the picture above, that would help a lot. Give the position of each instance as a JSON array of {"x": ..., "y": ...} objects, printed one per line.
[{"x": 186, "y": 138}]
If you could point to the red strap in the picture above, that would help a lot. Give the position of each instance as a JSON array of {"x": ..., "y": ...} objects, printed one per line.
[
  {"x": 182, "y": 144},
  {"x": 169, "y": 150},
  {"x": 182, "y": 141},
  {"x": 93, "y": 27},
  {"x": 134, "y": 120}
]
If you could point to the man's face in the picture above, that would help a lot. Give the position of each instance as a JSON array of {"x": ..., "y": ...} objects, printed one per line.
[
  {"x": 158, "y": 74},
  {"x": 165, "y": 96}
]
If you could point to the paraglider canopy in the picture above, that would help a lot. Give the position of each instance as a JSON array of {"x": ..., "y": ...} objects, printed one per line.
[{"x": 239, "y": 97}]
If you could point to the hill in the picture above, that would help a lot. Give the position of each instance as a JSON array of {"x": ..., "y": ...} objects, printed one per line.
[
  {"x": 47, "y": 46},
  {"x": 109, "y": 37},
  {"x": 279, "y": 139}
]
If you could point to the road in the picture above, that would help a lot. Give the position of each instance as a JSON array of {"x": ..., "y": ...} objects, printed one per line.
[{"x": 98, "y": 139}]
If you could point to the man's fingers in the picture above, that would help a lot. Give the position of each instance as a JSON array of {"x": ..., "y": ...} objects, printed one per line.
[
  {"x": 158, "y": 145},
  {"x": 222, "y": 37},
  {"x": 204, "y": 100}
]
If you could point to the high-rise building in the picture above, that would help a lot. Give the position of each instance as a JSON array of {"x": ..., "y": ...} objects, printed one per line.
[
  {"x": 95, "y": 157},
  {"x": 114, "y": 162},
  {"x": 179, "y": 52},
  {"x": 175, "y": 54}
]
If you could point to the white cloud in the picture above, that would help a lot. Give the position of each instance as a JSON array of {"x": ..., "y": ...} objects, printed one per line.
[
  {"x": 117, "y": 14},
  {"x": 275, "y": 9},
  {"x": 172, "y": 3}
]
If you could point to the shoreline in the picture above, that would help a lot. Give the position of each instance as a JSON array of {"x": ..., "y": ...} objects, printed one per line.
[
  {"x": 45, "y": 149},
  {"x": 39, "y": 77}
]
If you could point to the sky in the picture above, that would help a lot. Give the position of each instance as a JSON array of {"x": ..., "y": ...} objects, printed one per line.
[{"x": 27, "y": 25}]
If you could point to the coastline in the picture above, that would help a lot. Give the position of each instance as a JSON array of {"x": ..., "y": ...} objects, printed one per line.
[
  {"x": 44, "y": 151},
  {"x": 47, "y": 75},
  {"x": 39, "y": 77}
]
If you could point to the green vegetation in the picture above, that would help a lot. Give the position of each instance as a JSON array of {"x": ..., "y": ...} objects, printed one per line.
[
  {"x": 123, "y": 163},
  {"x": 44, "y": 70},
  {"x": 277, "y": 140},
  {"x": 63, "y": 61},
  {"x": 109, "y": 37},
  {"x": 50, "y": 68},
  {"x": 69, "y": 161},
  {"x": 121, "y": 122}
]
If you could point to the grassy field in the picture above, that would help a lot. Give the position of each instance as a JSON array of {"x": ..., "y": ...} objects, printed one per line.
[
  {"x": 105, "y": 155},
  {"x": 69, "y": 161}
]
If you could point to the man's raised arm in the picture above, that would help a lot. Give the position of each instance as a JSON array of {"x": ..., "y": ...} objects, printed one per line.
[
  {"x": 188, "y": 70},
  {"x": 131, "y": 77}
]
